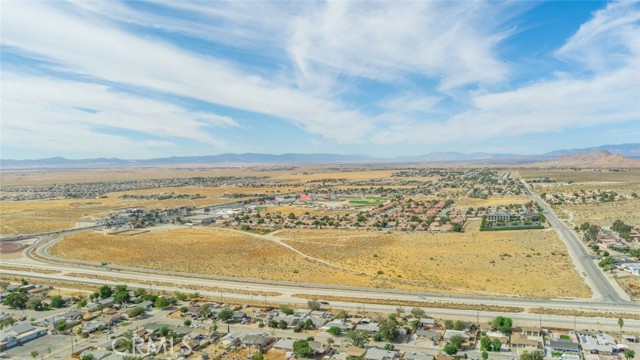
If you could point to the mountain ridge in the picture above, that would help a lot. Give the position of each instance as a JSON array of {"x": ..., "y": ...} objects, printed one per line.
[{"x": 621, "y": 153}]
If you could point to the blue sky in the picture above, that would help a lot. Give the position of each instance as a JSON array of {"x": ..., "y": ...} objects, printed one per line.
[{"x": 165, "y": 78}]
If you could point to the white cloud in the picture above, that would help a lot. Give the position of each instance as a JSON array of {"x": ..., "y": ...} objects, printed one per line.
[
  {"x": 453, "y": 42},
  {"x": 108, "y": 53},
  {"x": 56, "y": 115},
  {"x": 609, "y": 40},
  {"x": 327, "y": 54},
  {"x": 608, "y": 96}
]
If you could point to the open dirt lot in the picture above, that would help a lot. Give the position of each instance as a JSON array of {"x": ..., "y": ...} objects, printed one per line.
[
  {"x": 532, "y": 263},
  {"x": 527, "y": 263},
  {"x": 603, "y": 213}
]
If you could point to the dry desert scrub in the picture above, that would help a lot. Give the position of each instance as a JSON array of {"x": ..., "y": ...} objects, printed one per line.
[
  {"x": 521, "y": 263},
  {"x": 581, "y": 313},
  {"x": 182, "y": 286},
  {"x": 410, "y": 303},
  {"x": 204, "y": 251}
]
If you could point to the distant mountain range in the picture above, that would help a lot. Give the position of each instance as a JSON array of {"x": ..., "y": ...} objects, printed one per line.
[{"x": 606, "y": 155}]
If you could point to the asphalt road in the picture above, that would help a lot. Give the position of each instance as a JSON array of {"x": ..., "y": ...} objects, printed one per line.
[{"x": 601, "y": 286}]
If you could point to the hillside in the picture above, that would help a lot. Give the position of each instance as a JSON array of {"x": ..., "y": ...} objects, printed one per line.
[{"x": 592, "y": 159}]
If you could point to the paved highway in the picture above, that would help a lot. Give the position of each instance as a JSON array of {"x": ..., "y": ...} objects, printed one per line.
[
  {"x": 606, "y": 297},
  {"x": 601, "y": 286}
]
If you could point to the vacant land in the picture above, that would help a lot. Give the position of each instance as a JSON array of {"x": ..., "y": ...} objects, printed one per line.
[
  {"x": 206, "y": 251},
  {"x": 601, "y": 213},
  {"x": 464, "y": 203},
  {"x": 525, "y": 263},
  {"x": 531, "y": 263}
]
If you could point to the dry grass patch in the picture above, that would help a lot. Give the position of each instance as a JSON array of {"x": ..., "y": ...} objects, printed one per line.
[
  {"x": 525, "y": 263},
  {"x": 581, "y": 313},
  {"x": 410, "y": 303},
  {"x": 206, "y": 251},
  {"x": 465, "y": 202},
  {"x": 604, "y": 214}
]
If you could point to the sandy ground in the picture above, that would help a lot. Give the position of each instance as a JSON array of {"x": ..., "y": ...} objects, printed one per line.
[{"x": 527, "y": 263}]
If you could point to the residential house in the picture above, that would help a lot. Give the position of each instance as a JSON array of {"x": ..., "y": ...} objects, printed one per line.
[
  {"x": 19, "y": 334},
  {"x": 344, "y": 326},
  {"x": 531, "y": 331},
  {"x": 259, "y": 341},
  {"x": 426, "y": 323},
  {"x": 564, "y": 346},
  {"x": 605, "y": 339},
  {"x": 368, "y": 327},
  {"x": 498, "y": 215},
  {"x": 380, "y": 354},
  {"x": 231, "y": 339},
  {"x": 434, "y": 336},
  {"x": 92, "y": 327},
  {"x": 590, "y": 344},
  {"x": 146, "y": 305},
  {"x": 519, "y": 341},
  {"x": 448, "y": 334}
]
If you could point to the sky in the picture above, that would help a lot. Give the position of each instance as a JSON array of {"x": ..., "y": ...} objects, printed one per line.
[{"x": 145, "y": 79}]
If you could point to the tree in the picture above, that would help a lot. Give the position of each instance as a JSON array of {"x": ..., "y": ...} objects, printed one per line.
[
  {"x": 57, "y": 301},
  {"x": 34, "y": 354},
  {"x": 314, "y": 305},
  {"x": 273, "y": 324},
  {"x": 335, "y": 331},
  {"x": 389, "y": 347},
  {"x": 257, "y": 356},
  {"x": 621, "y": 324},
  {"x": 87, "y": 357},
  {"x": 205, "y": 311},
  {"x": 503, "y": 324},
  {"x": 485, "y": 355},
  {"x": 283, "y": 325},
  {"x": 485, "y": 343},
  {"x": 61, "y": 326},
  {"x": 457, "y": 341},
  {"x": 450, "y": 349},
  {"x": 135, "y": 312},
  {"x": 121, "y": 294},
  {"x": 302, "y": 349},
  {"x": 629, "y": 354},
  {"x": 81, "y": 303},
  {"x": 448, "y": 324},
  {"x": 162, "y": 302},
  {"x": 105, "y": 291},
  {"x": 388, "y": 329},
  {"x": 164, "y": 330},
  {"x": 308, "y": 324},
  {"x": 417, "y": 313},
  {"x": 16, "y": 300},
  {"x": 533, "y": 355},
  {"x": 225, "y": 315},
  {"x": 34, "y": 304},
  {"x": 286, "y": 309},
  {"x": 496, "y": 345},
  {"x": 357, "y": 338},
  {"x": 6, "y": 322},
  {"x": 458, "y": 325},
  {"x": 187, "y": 322}
]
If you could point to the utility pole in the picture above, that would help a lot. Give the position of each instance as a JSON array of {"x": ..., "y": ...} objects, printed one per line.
[
  {"x": 540, "y": 322},
  {"x": 478, "y": 318}
]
